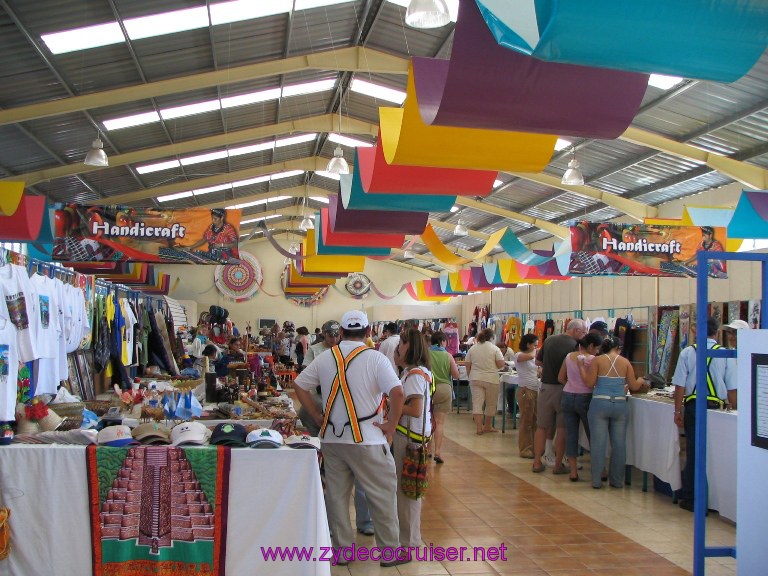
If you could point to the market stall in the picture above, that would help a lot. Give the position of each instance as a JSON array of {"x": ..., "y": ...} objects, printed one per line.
[{"x": 274, "y": 499}]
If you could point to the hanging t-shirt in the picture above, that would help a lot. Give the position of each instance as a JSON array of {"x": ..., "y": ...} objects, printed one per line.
[
  {"x": 65, "y": 325},
  {"x": 514, "y": 328},
  {"x": 46, "y": 372},
  {"x": 127, "y": 335},
  {"x": 530, "y": 325},
  {"x": 9, "y": 366},
  {"x": 21, "y": 301},
  {"x": 451, "y": 332}
]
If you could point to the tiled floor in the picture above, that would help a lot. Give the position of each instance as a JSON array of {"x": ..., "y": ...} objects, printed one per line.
[{"x": 484, "y": 495}]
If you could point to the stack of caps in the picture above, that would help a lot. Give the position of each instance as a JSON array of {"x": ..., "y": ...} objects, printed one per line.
[
  {"x": 152, "y": 433},
  {"x": 264, "y": 438},
  {"x": 190, "y": 433},
  {"x": 116, "y": 436},
  {"x": 229, "y": 434},
  {"x": 303, "y": 441}
]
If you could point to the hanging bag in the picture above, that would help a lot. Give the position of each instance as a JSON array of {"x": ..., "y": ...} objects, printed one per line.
[{"x": 413, "y": 480}]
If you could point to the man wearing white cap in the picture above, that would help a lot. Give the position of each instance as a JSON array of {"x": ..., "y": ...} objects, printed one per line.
[
  {"x": 730, "y": 332},
  {"x": 353, "y": 379}
]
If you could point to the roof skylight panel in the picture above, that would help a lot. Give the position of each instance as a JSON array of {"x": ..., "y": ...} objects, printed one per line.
[
  {"x": 172, "y": 22},
  {"x": 215, "y": 105},
  {"x": 251, "y": 220},
  {"x": 377, "y": 91},
  {"x": 347, "y": 141},
  {"x": 172, "y": 197}
]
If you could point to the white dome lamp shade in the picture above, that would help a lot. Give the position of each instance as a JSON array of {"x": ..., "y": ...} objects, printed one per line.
[
  {"x": 338, "y": 165},
  {"x": 427, "y": 14},
  {"x": 96, "y": 155}
]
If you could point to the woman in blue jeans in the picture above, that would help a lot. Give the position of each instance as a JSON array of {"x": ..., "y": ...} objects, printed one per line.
[
  {"x": 611, "y": 375},
  {"x": 576, "y": 397}
]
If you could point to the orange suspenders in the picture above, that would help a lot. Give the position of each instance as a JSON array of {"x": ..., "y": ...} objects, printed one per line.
[{"x": 340, "y": 383}]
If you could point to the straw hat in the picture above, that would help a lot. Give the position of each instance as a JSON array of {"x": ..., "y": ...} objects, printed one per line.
[{"x": 50, "y": 421}]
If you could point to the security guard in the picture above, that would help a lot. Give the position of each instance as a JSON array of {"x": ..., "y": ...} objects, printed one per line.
[{"x": 721, "y": 389}]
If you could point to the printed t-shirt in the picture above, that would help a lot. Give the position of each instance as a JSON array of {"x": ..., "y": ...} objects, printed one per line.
[
  {"x": 46, "y": 373},
  {"x": 369, "y": 376},
  {"x": 21, "y": 301},
  {"x": 9, "y": 366}
]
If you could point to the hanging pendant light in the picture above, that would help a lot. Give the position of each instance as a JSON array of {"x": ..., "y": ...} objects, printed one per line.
[
  {"x": 338, "y": 165},
  {"x": 573, "y": 175},
  {"x": 408, "y": 254},
  {"x": 427, "y": 14},
  {"x": 461, "y": 229},
  {"x": 306, "y": 224},
  {"x": 96, "y": 155}
]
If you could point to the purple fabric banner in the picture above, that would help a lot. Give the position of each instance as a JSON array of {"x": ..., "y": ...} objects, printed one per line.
[
  {"x": 484, "y": 85},
  {"x": 374, "y": 221}
]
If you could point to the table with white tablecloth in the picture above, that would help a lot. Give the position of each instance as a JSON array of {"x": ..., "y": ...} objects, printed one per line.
[
  {"x": 653, "y": 445},
  {"x": 275, "y": 499}
]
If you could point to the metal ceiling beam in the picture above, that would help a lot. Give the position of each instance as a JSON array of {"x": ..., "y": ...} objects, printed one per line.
[
  {"x": 322, "y": 123},
  {"x": 559, "y": 231},
  {"x": 631, "y": 207},
  {"x": 308, "y": 164},
  {"x": 748, "y": 174},
  {"x": 295, "y": 191},
  {"x": 353, "y": 59}
]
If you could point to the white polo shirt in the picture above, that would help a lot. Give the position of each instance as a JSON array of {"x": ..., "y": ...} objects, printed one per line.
[{"x": 369, "y": 376}]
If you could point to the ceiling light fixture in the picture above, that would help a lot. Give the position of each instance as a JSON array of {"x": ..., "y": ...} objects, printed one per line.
[
  {"x": 461, "y": 229},
  {"x": 337, "y": 164},
  {"x": 96, "y": 155},
  {"x": 306, "y": 223},
  {"x": 573, "y": 175},
  {"x": 427, "y": 14},
  {"x": 408, "y": 254}
]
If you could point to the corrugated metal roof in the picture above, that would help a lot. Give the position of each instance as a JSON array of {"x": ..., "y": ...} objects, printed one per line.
[{"x": 730, "y": 119}]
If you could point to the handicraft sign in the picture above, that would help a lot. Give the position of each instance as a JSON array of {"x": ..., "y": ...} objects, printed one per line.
[
  {"x": 123, "y": 233},
  {"x": 643, "y": 250}
]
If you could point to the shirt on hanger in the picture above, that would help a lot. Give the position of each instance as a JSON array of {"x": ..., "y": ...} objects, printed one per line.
[{"x": 21, "y": 301}]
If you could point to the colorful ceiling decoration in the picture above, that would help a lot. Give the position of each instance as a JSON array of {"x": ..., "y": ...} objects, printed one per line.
[
  {"x": 676, "y": 38},
  {"x": 378, "y": 177},
  {"x": 407, "y": 140},
  {"x": 10, "y": 197},
  {"x": 750, "y": 219},
  {"x": 316, "y": 246},
  {"x": 26, "y": 222},
  {"x": 484, "y": 85},
  {"x": 331, "y": 238},
  {"x": 374, "y": 221},
  {"x": 354, "y": 197}
]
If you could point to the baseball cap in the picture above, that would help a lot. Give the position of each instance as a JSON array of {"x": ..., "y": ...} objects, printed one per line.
[
  {"x": 598, "y": 325},
  {"x": 264, "y": 438},
  {"x": 152, "y": 433},
  {"x": 303, "y": 441},
  {"x": 331, "y": 326},
  {"x": 229, "y": 434},
  {"x": 189, "y": 433},
  {"x": 115, "y": 436},
  {"x": 354, "y": 320},
  {"x": 737, "y": 325}
]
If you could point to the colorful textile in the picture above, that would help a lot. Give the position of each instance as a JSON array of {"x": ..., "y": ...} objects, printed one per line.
[{"x": 158, "y": 510}]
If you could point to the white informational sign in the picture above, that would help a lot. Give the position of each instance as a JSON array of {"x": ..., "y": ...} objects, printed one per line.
[{"x": 752, "y": 460}]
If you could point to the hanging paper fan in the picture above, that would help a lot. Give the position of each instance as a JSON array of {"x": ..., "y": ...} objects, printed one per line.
[
  {"x": 309, "y": 301},
  {"x": 358, "y": 285},
  {"x": 239, "y": 281}
]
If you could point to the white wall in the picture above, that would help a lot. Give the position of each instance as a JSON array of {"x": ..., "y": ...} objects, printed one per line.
[
  {"x": 752, "y": 467},
  {"x": 196, "y": 284}
]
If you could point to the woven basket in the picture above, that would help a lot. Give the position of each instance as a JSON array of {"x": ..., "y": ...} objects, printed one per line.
[
  {"x": 71, "y": 412},
  {"x": 98, "y": 407}
]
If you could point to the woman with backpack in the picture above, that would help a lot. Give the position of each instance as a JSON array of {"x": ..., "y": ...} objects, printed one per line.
[{"x": 412, "y": 355}]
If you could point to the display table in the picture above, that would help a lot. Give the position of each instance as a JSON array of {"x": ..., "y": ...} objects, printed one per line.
[
  {"x": 653, "y": 445},
  {"x": 275, "y": 499},
  {"x": 508, "y": 380}
]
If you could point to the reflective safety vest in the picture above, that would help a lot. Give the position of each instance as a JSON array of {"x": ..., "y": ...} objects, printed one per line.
[
  {"x": 711, "y": 391},
  {"x": 416, "y": 437},
  {"x": 340, "y": 384}
]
